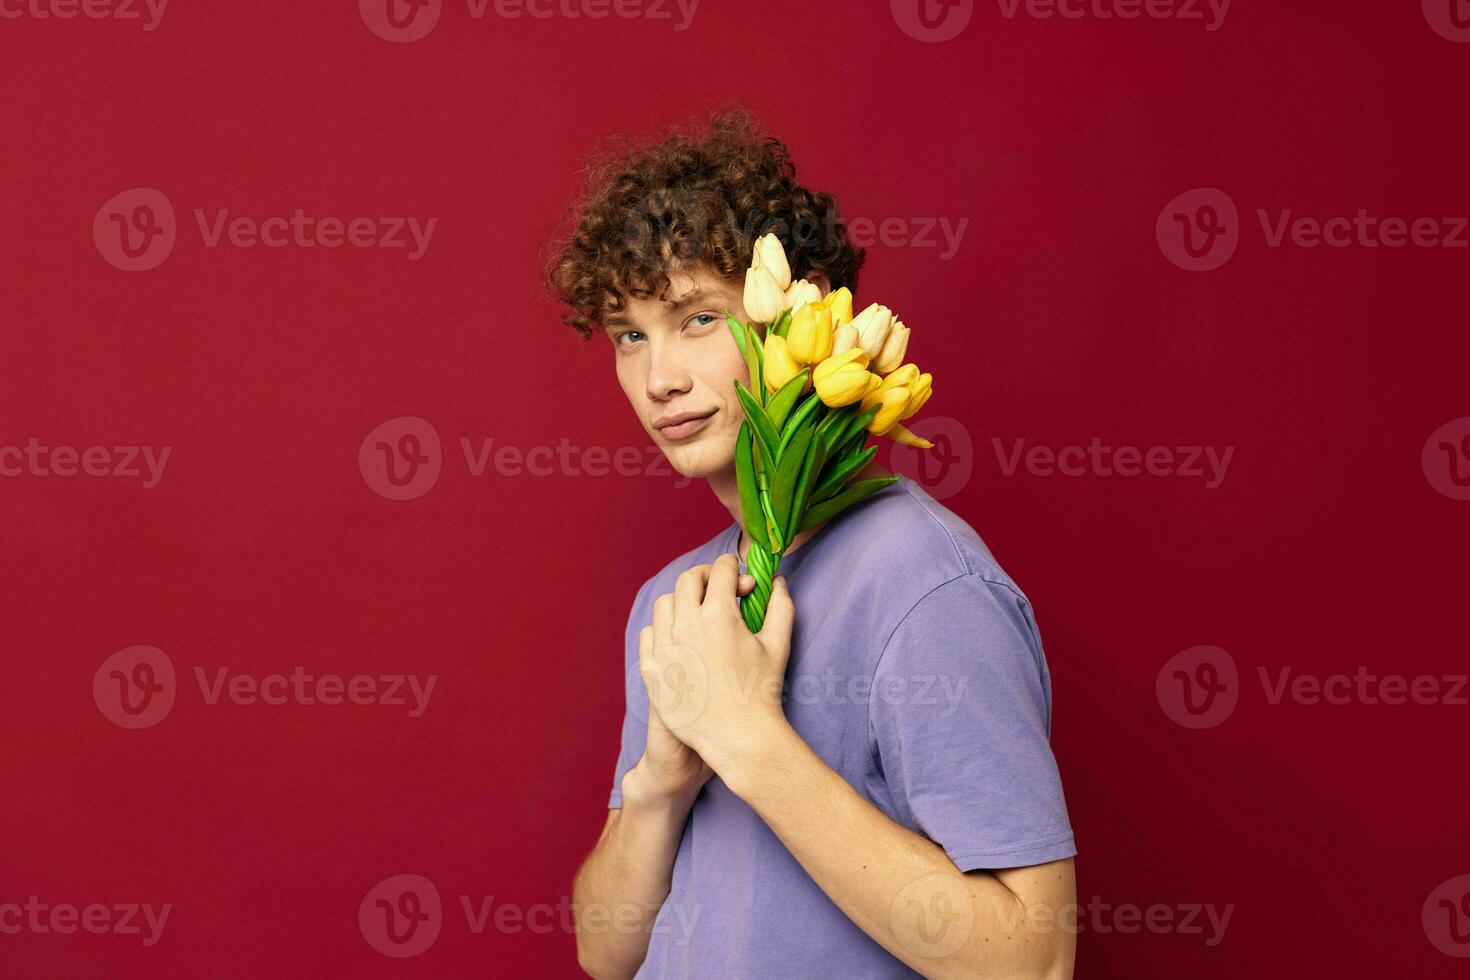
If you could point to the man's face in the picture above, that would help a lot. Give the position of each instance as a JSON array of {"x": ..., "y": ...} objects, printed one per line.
[{"x": 675, "y": 357}]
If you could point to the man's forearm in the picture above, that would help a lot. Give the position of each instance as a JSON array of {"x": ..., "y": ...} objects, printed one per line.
[
  {"x": 622, "y": 884},
  {"x": 897, "y": 886}
]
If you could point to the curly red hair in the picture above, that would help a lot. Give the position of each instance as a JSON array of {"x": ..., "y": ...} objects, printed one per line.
[{"x": 702, "y": 194}]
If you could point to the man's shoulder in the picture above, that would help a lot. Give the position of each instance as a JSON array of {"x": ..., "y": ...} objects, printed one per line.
[{"x": 906, "y": 535}]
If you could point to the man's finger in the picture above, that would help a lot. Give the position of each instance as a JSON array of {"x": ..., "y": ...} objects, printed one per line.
[
  {"x": 645, "y": 648},
  {"x": 723, "y": 578},
  {"x": 747, "y": 584},
  {"x": 689, "y": 591},
  {"x": 663, "y": 619},
  {"x": 780, "y": 616}
]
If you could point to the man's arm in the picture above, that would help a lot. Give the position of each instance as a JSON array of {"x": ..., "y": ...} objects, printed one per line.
[
  {"x": 622, "y": 884},
  {"x": 901, "y": 888}
]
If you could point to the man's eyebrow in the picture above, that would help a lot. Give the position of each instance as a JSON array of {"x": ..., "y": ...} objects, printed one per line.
[
  {"x": 688, "y": 299},
  {"x": 697, "y": 295}
]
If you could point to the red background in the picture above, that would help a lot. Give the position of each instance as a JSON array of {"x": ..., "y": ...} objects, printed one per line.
[{"x": 1325, "y": 549}]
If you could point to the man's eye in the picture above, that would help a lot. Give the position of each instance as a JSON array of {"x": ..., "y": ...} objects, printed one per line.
[
  {"x": 702, "y": 319},
  {"x": 626, "y": 334}
]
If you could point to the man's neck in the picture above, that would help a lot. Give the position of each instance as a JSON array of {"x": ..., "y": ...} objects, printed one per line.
[{"x": 727, "y": 490}]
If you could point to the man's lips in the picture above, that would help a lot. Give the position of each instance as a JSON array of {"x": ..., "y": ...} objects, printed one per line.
[{"x": 681, "y": 423}]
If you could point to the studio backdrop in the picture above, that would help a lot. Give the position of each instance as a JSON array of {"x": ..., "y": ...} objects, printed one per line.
[{"x": 319, "y": 530}]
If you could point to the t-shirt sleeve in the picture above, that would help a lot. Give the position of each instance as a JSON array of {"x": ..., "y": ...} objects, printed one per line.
[
  {"x": 960, "y": 718},
  {"x": 635, "y": 696}
]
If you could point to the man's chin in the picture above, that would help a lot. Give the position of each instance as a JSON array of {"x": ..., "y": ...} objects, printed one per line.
[{"x": 696, "y": 461}]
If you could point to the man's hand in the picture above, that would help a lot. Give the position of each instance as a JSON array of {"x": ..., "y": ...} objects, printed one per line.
[{"x": 715, "y": 686}]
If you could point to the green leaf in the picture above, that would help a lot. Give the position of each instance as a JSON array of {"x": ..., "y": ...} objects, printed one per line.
[
  {"x": 758, "y": 375},
  {"x": 856, "y": 441},
  {"x": 765, "y": 433},
  {"x": 750, "y": 508},
  {"x": 748, "y": 350},
  {"x": 777, "y": 545},
  {"x": 797, "y": 423},
  {"x": 738, "y": 329},
  {"x": 830, "y": 429},
  {"x": 811, "y": 469},
  {"x": 859, "y": 422},
  {"x": 783, "y": 325},
  {"x": 828, "y": 509},
  {"x": 838, "y": 475},
  {"x": 783, "y": 485},
  {"x": 780, "y": 405}
]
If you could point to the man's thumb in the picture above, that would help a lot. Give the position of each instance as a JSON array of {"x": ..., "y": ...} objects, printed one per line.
[{"x": 780, "y": 613}]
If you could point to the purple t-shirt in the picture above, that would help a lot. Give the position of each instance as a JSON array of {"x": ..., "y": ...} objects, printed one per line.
[{"x": 917, "y": 674}]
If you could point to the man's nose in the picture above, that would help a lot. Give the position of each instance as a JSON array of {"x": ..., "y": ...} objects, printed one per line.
[{"x": 668, "y": 375}]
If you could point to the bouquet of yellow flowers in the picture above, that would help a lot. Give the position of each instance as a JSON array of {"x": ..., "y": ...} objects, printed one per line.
[{"x": 824, "y": 380}]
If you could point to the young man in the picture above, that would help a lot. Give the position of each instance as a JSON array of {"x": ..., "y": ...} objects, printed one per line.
[{"x": 897, "y": 810}]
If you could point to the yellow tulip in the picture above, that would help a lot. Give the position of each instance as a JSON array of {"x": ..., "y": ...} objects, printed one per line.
[
  {"x": 919, "y": 393},
  {"x": 769, "y": 255},
  {"x": 890, "y": 403},
  {"x": 764, "y": 300},
  {"x": 844, "y": 378},
  {"x": 894, "y": 348},
  {"x": 810, "y": 335},
  {"x": 902, "y": 393},
  {"x": 899, "y": 434},
  {"x": 801, "y": 293},
  {"x": 844, "y": 338},
  {"x": 839, "y": 301},
  {"x": 872, "y": 327},
  {"x": 780, "y": 367}
]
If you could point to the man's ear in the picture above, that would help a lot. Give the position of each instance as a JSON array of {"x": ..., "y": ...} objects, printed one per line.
[{"x": 820, "y": 280}]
